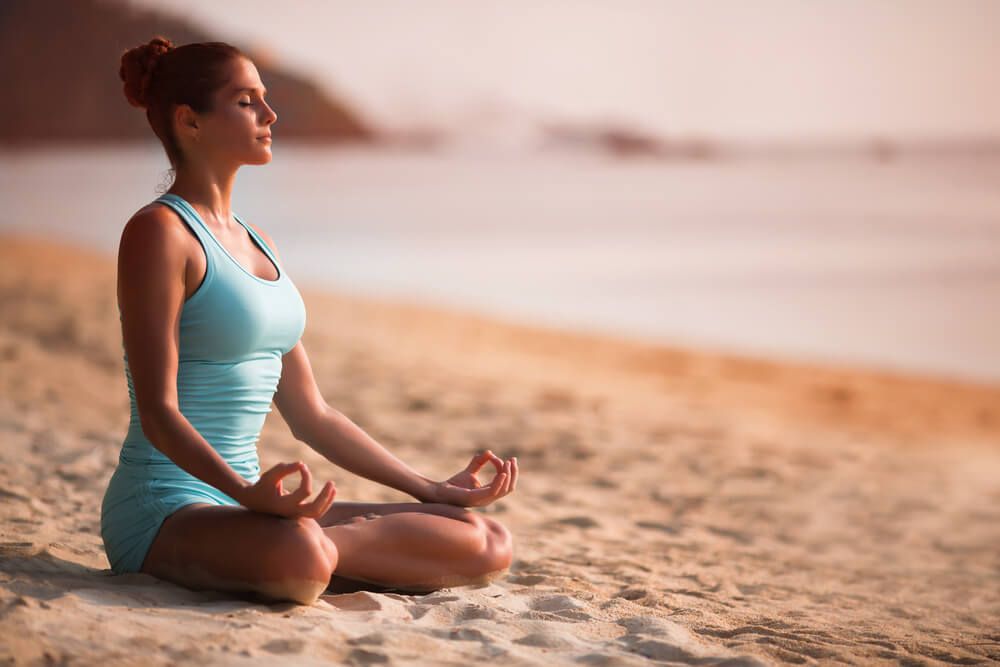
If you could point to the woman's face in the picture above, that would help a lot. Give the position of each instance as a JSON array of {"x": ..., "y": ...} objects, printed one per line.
[{"x": 235, "y": 130}]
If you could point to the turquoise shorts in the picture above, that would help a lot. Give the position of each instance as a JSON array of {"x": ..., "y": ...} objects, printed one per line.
[{"x": 139, "y": 498}]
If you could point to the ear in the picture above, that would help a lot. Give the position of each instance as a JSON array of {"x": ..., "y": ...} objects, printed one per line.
[{"x": 186, "y": 120}]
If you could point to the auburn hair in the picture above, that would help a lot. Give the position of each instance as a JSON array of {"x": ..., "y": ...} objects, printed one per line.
[{"x": 158, "y": 76}]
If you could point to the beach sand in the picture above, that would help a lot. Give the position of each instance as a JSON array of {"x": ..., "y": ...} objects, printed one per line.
[{"x": 674, "y": 505}]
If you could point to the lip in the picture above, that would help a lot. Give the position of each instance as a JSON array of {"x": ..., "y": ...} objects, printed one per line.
[{"x": 265, "y": 136}]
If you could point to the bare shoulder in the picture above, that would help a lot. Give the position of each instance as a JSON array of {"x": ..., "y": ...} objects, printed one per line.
[
  {"x": 154, "y": 235},
  {"x": 154, "y": 221}
]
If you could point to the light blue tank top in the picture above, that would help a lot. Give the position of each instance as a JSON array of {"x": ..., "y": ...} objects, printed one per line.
[{"x": 233, "y": 332}]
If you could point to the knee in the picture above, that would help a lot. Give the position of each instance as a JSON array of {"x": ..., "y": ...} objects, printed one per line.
[
  {"x": 498, "y": 549},
  {"x": 305, "y": 552}
]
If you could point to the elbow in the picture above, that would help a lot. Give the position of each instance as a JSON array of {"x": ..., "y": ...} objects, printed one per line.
[
  {"x": 304, "y": 433},
  {"x": 154, "y": 417},
  {"x": 301, "y": 435},
  {"x": 306, "y": 428}
]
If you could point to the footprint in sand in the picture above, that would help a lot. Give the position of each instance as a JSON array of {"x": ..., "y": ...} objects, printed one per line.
[
  {"x": 555, "y": 603},
  {"x": 360, "y": 656},
  {"x": 633, "y": 593},
  {"x": 372, "y": 639},
  {"x": 14, "y": 549},
  {"x": 527, "y": 579},
  {"x": 463, "y": 634},
  {"x": 662, "y": 640},
  {"x": 671, "y": 529},
  {"x": 549, "y": 639},
  {"x": 608, "y": 660},
  {"x": 578, "y": 521},
  {"x": 557, "y": 608},
  {"x": 473, "y": 611},
  {"x": 284, "y": 646},
  {"x": 738, "y": 536}
]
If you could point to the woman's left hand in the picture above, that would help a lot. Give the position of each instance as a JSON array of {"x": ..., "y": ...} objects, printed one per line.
[{"x": 465, "y": 490}]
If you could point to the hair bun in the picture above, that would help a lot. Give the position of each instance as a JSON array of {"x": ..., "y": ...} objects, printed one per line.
[{"x": 137, "y": 67}]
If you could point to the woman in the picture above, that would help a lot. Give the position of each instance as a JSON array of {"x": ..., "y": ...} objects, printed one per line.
[{"x": 211, "y": 327}]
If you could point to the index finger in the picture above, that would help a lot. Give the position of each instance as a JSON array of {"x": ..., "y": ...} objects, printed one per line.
[
  {"x": 479, "y": 460},
  {"x": 497, "y": 462},
  {"x": 305, "y": 488}
]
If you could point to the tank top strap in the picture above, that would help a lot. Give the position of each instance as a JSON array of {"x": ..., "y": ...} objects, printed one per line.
[
  {"x": 190, "y": 216},
  {"x": 260, "y": 242}
]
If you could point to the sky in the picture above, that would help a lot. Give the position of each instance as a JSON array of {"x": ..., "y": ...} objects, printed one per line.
[{"x": 725, "y": 69}]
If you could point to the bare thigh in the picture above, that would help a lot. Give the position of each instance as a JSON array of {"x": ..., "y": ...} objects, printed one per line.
[{"x": 235, "y": 549}]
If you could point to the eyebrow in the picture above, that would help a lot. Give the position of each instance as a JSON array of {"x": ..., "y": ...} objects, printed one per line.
[{"x": 243, "y": 90}]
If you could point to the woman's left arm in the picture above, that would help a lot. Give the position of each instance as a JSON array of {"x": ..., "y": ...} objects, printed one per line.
[
  {"x": 332, "y": 434},
  {"x": 344, "y": 443}
]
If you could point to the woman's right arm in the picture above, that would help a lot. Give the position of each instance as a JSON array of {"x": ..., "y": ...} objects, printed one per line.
[
  {"x": 152, "y": 265},
  {"x": 152, "y": 270}
]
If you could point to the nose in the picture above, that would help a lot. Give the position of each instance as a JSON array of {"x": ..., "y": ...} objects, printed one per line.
[{"x": 271, "y": 115}]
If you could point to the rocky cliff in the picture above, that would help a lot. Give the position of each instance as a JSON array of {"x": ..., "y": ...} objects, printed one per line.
[{"x": 59, "y": 71}]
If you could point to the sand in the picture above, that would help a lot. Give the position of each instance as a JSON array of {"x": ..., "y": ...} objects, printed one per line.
[{"x": 674, "y": 505}]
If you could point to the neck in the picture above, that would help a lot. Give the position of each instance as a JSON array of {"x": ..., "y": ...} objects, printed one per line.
[{"x": 208, "y": 191}]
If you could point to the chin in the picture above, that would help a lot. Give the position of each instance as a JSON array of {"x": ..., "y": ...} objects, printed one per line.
[{"x": 261, "y": 157}]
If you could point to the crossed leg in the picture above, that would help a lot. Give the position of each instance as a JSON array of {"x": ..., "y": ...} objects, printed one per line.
[{"x": 416, "y": 547}]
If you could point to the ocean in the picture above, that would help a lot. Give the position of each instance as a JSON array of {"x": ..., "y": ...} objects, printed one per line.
[{"x": 843, "y": 260}]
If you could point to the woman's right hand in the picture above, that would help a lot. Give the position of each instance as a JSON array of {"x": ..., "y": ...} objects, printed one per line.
[{"x": 268, "y": 496}]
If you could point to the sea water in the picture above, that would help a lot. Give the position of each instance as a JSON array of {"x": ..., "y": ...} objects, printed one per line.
[{"x": 892, "y": 265}]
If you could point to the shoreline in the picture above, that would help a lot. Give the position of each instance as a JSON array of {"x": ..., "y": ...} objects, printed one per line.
[{"x": 742, "y": 379}]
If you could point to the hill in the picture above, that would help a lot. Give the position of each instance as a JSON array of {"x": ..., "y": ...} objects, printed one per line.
[{"x": 59, "y": 63}]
